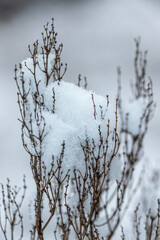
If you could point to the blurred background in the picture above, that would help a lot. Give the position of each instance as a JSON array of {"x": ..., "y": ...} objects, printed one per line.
[{"x": 98, "y": 36}]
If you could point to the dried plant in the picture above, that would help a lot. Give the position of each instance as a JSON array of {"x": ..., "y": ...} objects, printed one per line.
[
  {"x": 151, "y": 229},
  {"x": 10, "y": 209},
  {"x": 100, "y": 202}
]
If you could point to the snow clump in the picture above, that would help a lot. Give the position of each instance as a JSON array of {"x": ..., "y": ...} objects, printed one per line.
[{"x": 77, "y": 115}]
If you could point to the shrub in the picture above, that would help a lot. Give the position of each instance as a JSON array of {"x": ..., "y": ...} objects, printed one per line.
[{"x": 83, "y": 150}]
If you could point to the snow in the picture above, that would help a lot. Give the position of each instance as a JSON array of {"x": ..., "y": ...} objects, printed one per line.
[
  {"x": 73, "y": 120},
  {"x": 135, "y": 110}
]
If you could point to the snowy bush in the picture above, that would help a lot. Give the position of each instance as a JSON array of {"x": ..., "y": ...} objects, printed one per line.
[{"x": 83, "y": 150}]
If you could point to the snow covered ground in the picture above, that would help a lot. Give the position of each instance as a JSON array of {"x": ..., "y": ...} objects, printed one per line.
[{"x": 97, "y": 37}]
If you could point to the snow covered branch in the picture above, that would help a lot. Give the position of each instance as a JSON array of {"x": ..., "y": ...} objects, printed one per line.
[{"x": 83, "y": 150}]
